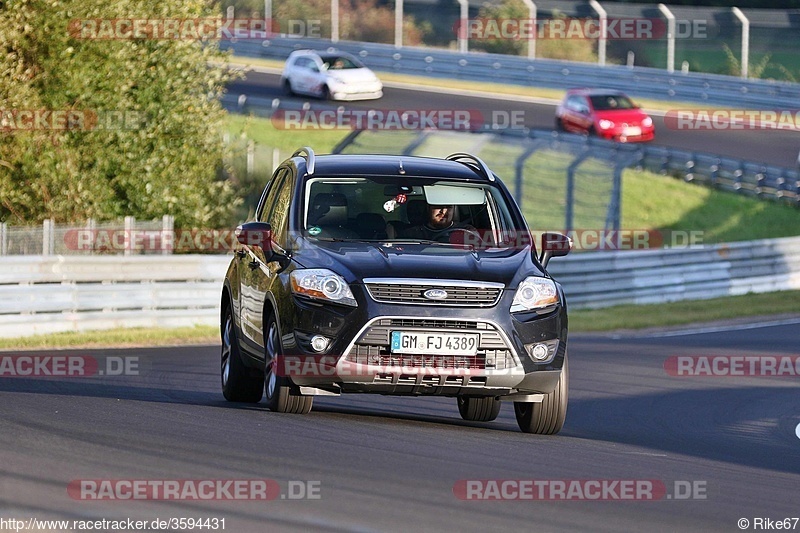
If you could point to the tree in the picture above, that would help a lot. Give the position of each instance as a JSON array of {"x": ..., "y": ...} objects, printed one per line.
[{"x": 144, "y": 135}]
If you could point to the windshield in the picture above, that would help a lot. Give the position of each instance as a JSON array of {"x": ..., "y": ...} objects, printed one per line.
[
  {"x": 406, "y": 209},
  {"x": 609, "y": 102},
  {"x": 340, "y": 63}
]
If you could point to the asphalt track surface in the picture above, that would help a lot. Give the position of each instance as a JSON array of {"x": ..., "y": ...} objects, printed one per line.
[
  {"x": 390, "y": 464},
  {"x": 775, "y": 147}
]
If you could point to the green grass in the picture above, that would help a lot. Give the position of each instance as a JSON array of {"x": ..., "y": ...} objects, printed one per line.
[
  {"x": 653, "y": 201},
  {"x": 264, "y": 133},
  {"x": 687, "y": 312},
  {"x": 117, "y": 338}
]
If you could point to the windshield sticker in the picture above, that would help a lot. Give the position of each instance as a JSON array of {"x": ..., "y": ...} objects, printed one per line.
[{"x": 314, "y": 230}]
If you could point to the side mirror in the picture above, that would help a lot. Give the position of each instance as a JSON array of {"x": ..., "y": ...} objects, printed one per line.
[
  {"x": 554, "y": 245},
  {"x": 256, "y": 235}
]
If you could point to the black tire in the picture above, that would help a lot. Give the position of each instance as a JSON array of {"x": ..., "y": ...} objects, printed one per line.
[
  {"x": 474, "y": 409},
  {"x": 282, "y": 396},
  {"x": 287, "y": 87},
  {"x": 239, "y": 383},
  {"x": 547, "y": 417},
  {"x": 325, "y": 94},
  {"x": 559, "y": 125}
]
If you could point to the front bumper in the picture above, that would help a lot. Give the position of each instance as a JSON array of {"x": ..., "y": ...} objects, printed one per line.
[{"x": 359, "y": 358}]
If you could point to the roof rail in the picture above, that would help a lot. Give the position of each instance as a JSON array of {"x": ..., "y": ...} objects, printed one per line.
[
  {"x": 473, "y": 162},
  {"x": 310, "y": 158}
]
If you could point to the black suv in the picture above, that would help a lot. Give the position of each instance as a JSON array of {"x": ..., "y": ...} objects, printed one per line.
[{"x": 395, "y": 275}]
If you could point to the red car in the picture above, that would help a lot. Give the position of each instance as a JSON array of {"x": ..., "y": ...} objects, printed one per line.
[{"x": 607, "y": 114}]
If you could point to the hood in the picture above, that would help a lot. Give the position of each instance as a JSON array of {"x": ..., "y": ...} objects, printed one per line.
[
  {"x": 352, "y": 75},
  {"x": 632, "y": 117},
  {"x": 358, "y": 260}
]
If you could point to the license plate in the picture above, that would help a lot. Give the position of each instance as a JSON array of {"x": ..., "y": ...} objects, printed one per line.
[
  {"x": 417, "y": 342},
  {"x": 633, "y": 131}
]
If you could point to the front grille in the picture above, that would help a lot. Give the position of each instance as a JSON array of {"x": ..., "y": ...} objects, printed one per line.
[
  {"x": 460, "y": 294},
  {"x": 373, "y": 347}
]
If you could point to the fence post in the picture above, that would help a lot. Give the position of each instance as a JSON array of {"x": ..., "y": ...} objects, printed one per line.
[
  {"x": 463, "y": 34},
  {"x": 745, "y": 40},
  {"x": 167, "y": 234},
  {"x": 90, "y": 226},
  {"x": 251, "y": 157},
  {"x": 130, "y": 224},
  {"x": 334, "y": 21},
  {"x": 398, "y": 23},
  {"x": 573, "y": 167},
  {"x": 48, "y": 237},
  {"x": 3, "y": 238},
  {"x": 602, "y": 41},
  {"x": 519, "y": 169}
]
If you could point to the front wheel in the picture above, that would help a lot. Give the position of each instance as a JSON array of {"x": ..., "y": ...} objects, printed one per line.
[
  {"x": 282, "y": 395},
  {"x": 239, "y": 383},
  {"x": 546, "y": 417},
  {"x": 474, "y": 409}
]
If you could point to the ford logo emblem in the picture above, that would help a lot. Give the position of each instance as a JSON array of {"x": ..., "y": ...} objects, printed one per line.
[{"x": 435, "y": 294}]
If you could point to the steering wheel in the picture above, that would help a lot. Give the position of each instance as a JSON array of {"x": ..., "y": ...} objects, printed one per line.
[{"x": 460, "y": 236}]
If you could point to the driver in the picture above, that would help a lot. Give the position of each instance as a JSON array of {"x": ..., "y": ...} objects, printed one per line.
[{"x": 439, "y": 225}]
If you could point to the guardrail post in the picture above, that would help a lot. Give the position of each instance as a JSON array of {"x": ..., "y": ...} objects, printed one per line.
[
  {"x": 3, "y": 238},
  {"x": 268, "y": 16},
  {"x": 670, "y": 36},
  {"x": 48, "y": 237},
  {"x": 167, "y": 234},
  {"x": 398, "y": 23},
  {"x": 601, "y": 43},
  {"x": 745, "y": 40}
]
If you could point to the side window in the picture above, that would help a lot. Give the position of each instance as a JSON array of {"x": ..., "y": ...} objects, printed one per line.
[
  {"x": 269, "y": 197},
  {"x": 276, "y": 209}
]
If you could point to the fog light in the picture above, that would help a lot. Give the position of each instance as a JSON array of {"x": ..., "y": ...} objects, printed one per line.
[
  {"x": 542, "y": 352},
  {"x": 319, "y": 343},
  {"x": 539, "y": 352}
]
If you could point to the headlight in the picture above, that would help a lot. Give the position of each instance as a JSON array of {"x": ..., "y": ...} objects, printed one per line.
[
  {"x": 606, "y": 124},
  {"x": 322, "y": 284},
  {"x": 534, "y": 293},
  {"x": 647, "y": 122}
]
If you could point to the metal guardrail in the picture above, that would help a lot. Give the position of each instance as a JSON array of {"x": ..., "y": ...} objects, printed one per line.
[
  {"x": 602, "y": 279},
  {"x": 51, "y": 294},
  {"x": 48, "y": 294},
  {"x": 708, "y": 89}
]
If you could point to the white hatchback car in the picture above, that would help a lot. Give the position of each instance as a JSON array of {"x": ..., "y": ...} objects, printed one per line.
[{"x": 329, "y": 75}]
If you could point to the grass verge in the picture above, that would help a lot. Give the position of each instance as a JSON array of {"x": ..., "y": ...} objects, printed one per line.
[
  {"x": 116, "y": 338},
  {"x": 688, "y": 312}
]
